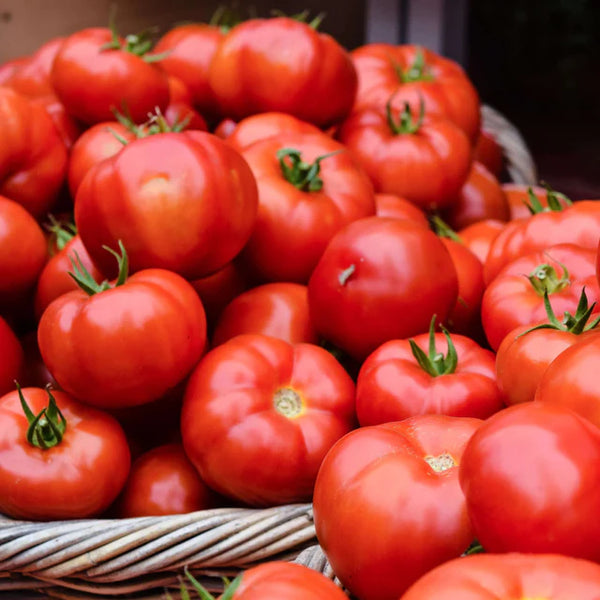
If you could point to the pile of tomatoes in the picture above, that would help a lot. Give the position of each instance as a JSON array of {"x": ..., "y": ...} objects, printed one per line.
[{"x": 247, "y": 267}]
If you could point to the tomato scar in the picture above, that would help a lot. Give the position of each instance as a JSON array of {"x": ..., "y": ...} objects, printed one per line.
[
  {"x": 288, "y": 402},
  {"x": 440, "y": 463}
]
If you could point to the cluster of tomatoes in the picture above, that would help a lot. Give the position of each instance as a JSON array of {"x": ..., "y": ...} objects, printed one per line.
[{"x": 275, "y": 271}]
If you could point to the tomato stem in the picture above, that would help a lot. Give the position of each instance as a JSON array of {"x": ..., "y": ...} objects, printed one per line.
[
  {"x": 418, "y": 71},
  {"x": 435, "y": 363},
  {"x": 545, "y": 279},
  {"x": 404, "y": 123},
  {"x": 303, "y": 176},
  {"x": 556, "y": 201},
  {"x": 442, "y": 229},
  {"x": 203, "y": 593},
  {"x": 62, "y": 232}
]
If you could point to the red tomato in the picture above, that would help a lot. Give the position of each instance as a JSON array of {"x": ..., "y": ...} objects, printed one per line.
[
  {"x": 276, "y": 309},
  {"x": 190, "y": 50},
  {"x": 516, "y": 296},
  {"x": 479, "y": 236},
  {"x": 530, "y": 477},
  {"x": 362, "y": 294},
  {"x": 225, "y": 128},
  {"x": 67, "y": 127},
  {"x": 388, "y": 495},
  {"x": 480, "y": 198},
  {"x": 259, "y": 414},
  {"x": 309, "y": 187},
  {"x": 265, "y": 125},
  {"x": 390, "y": 205},
  {"x": 72, "y": 476},
  {"x": 33, "y": 158},
  {"x": 425, "y": 161},
  {"x": 186, "y": 202},
  {"x": 569, "y": 381},
  {"x": 499, "y": 576},
  {"x": 10, "y": 67},
  {"x": 577, "y": 224},
  {"x": 11, "y": 358},
  {"x": 414, "y": 73},
  {"x": 283, "y": 65},
  {"x": 163, "y": 481},
  {"x": 519, "y": 196},
  {"x": 181, "y": 113},
  {"x": 450, "y": 375},
  {"x": 34, "y": 372},
  {"x": 123, "y": 345},
  {"x": 95, "y": 72},
  {"x": 489, "y": 152}
]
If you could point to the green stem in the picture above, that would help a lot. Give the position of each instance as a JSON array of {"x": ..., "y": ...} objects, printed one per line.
[
  {"x": 303, "y": 176},
  {"x": 404, "y": 123},
  {"x": 545, "y": 279},
  {"x": 434, "y": 362},
  {"x": 62, "y": 232},
  {"x": 556, "y": 202},
  {"x": 418, "y": 71},
  {"x": 442, "y": 229}
]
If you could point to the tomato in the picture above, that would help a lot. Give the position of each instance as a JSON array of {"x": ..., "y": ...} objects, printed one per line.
[
  {"x": 390, "y": 205},
  {"x": 189, "y": 50},
  {"x": 569, "y": 381},
  {"x": 163, "y": 481},
  {"x": 388, "y": 495},
  {"x": 23, "y": 251},
  {"x": 127, "y": 344},
  {"x": 362, "y": 294},
  {"x": 480, "y": 198},
  {"x": 276, "y": 309},
  {"x": 266, "y": 125},
  {"x": 309, "y": 187},
  {"x": 479, "y": 236},
  {"x": 500, "y": 576},
  {"x": 12, "y": 361},
  {"x": 413, "y": 74},
  {"x": 95, "y": 71},
  {"x": 519, "y": 197},
  {"x": 283, "y": 65},
  {"x": 33, "y": 158},
  {"x": 530, "y": 477},
  {"x": 73, "y": 474},
  {"x": 181, "y": 113},
  {"x": 259, "y": 414},
  {"x": 185, "y": 201},
  {"x": 577, "y": 224},
  {"x": 516, "y": 296},
  {"x": 225, "y": 128},
  {"x": 432, "y": 373},
  {"x": 426, "y": 161},
  {"x": 488, "y": 152},
  {"x": 67, "y": 127},
  {"x": 34, "y": 372},
  {"x": 10, "y": 67}
]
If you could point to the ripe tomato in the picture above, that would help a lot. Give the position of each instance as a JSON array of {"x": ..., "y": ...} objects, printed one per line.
[
  {"x": 11, "y": 358},
  {"x": 489, "y": 152},
  {"x": 67, "y": 127},
  {"x": 426, "y": 161},
  {"x": 95, "y": 71},
  {"x": 33, "y": 158},
  {"x": 259, "y": 414},
  {"x": 309, "y": 187},
  {"x": 496, "y": 576},
  {"x": 284, "y": 65},
  {"x": 390, "y": 205},
  {"x": 413, "y": 74},
  {"x": 74, "y": 474},
  {"x": 361, "y": 295},
  {"x": 388, "y": 495},
  {"x": 185, "y": 201},
  {"x": 163, "y": 481},
  {"x": 276, "y": 309},
  {"x": 530, "y": 477},
  {"x": 127, "y": 344},
  {"x": 478, "y": 237}
]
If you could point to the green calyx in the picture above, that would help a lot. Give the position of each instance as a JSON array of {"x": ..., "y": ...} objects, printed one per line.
[
  {"x": 225, "y": 18},
  {"x": 202, "y": 592},
  {"x": 435, "y": 363},
  {"x": 155, "y": 124},
  {"x": 404, "y": 123},
  {"x": 556, "y": 201},
  {"x": 418, "y": 71},
  {"x": 303, "y": 176},
  {"x": 87, "y": 283},
  {"x": 545, "y": 279},
  {"x": 302, "y": 17},
  {"x": 576, "y": 324},
  {"x": 62, "y": 232},
  {"x": 442, "y": 229},
  {"x": 47, "y": 428}
]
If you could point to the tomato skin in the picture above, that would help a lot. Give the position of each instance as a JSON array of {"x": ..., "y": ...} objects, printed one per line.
[
  {"x": 488, "y": 152},
  {"x": 127, "y": 345},
  {"x": 276, "y": 309},
  {"x": 511, "y": 299},
  {"x": 530, "y": 477},
  {"x": 78, "y": 478},
  {"x": 569, "y": 380},
  {"x": 445, "y": 89},
  {"x": 410, "y": 515},
  {"x": 283, "y": 65},
  {"x": 90, "y": 82},
  {"x": 480, "y": 198},
  {"x": 235, "y": 425},
  {"x": 187, "y": 191},
  {"x": 391, "y": 205},
  {"x": 286, "y": 581},
  {"x": 163, "y": 481},
  {"x": 293, "y": 226},
  {"x": 479, "y": 236},
  {"x": 427, "y": 167},
  {"x": 180, "y": 112},
  {"x": 578, "y": 224},
  {"x": 33, "y": 158},
  {"x": 391, "y": 385},
  {"x": 12, "y": 357},
  {"x": 498, "y": 576},
  {"x": 382, "y": 298}
]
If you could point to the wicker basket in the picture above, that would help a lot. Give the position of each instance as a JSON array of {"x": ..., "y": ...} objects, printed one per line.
[{"x": 141, "y": 557}]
